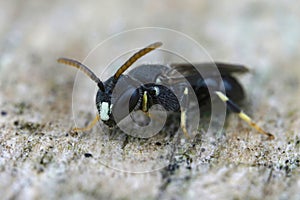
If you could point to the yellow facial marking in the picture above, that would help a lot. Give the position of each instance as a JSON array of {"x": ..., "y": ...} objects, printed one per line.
[{"x": 145, "y": 102}]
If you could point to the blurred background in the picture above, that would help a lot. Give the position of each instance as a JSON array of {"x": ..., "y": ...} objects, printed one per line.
[
  {"x": 260, "y": 34},
  {"x": 263, "y": 35}
]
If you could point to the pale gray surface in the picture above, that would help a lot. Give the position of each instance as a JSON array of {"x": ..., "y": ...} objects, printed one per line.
[{"x": 38, "y": 160}]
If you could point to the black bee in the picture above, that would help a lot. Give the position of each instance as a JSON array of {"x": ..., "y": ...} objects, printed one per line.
[{"x": 148, "y": 85}]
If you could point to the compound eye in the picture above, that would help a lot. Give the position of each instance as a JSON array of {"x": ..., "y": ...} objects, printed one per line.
[{"x": 125, "y": 103}]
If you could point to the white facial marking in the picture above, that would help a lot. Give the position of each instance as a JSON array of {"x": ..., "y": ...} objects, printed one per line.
[
  {"x": 186, "y": 91},
  {"x": 156, "y": 91},
  {"x": 104, "y": 111},
  {"x": 158, "y": 80},
  {"x": 110, "y": 108}
]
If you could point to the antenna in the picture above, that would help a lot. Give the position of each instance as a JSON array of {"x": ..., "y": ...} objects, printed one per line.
[
  {"x": 135, "y": 57},
  {"x": 84, "y": 69}
]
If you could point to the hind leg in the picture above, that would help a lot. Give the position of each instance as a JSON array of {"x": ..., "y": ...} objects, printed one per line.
[{"x": 234, "y": 108}]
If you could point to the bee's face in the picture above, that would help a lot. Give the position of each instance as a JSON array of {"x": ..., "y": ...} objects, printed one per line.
[
  {"x": 105, "y": 110},
  {"x": 104, "y": 107},
  {"x": 118, "y": 100}
]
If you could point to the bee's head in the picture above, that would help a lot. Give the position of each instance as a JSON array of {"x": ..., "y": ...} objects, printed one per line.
[
  {"x": 105, "y": 99},
  {"x": 104, "y": 103},
  {"x": 118, "y": 99}
]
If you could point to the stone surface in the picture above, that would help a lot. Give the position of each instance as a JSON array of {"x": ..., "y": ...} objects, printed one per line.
[{"x": 41, "y": 159}]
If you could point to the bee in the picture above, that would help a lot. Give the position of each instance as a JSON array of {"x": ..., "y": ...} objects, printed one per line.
[{"x": 145, "y": 86}]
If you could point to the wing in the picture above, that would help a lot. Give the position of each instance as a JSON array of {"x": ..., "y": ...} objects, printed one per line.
[
  {"x": 208, "y": 69},
  {"x": 210, "y": 72}
]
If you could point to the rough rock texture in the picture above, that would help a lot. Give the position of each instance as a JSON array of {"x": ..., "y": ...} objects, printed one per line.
[{"x": 41, "y": 159}]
